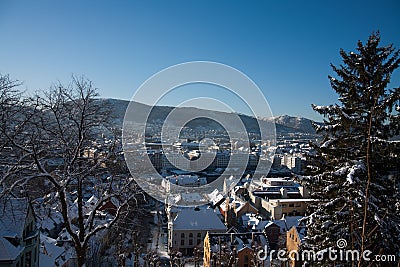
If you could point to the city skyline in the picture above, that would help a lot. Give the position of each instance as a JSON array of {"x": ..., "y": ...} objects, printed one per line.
[{"x": 285, "y": 47}]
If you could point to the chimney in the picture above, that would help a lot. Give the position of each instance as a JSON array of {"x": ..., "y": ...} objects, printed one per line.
[{"x": 283, "y": 192}]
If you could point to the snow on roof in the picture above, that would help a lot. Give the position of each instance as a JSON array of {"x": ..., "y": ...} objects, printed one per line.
[
  {"x": 64, "y": 235},
  {"x": 246, "y": 204},
  {"x": 245, "y": 247},
  {"x": 215, "y": 197},
  {"x": 292, "y": 221},
  {"x": 282, "y": 225},
  {"x": 49, "y": 222},
  {"x": 49, "y": 247},
  {"x": 45, "y": 260},
  {"x": 238, "y": 241},
  {"x": 246, "y": 218},
  {"x": 203, "y": 219},
  {"x": 8, "y": 252},
  {"x": 13, "y": 212},
  {"x": 188, "y": 197},
  {"x": 223, "y": 206},
  {"x": 302, "y": 231},
  {"x": 264, "y": 224},
  {"x": 288, "y": 222},
  {"x": 253, "y": 222},
  {"x": 187, "y": 180},
  {"x": 92, "y": 200}
]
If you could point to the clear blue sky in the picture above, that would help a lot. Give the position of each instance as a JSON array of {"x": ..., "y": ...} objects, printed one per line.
[{"x": 284, "y": 46}]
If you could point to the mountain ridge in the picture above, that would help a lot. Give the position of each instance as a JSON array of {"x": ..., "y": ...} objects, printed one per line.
[{"x": 283, "y": 123}]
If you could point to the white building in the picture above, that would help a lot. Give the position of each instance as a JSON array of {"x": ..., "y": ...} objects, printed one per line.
[
  {"x": 279, "y": 197},
  {"x": 294, "y": 163},
  {"x": 183, "y": 180},
  {"x": 189, "y": 227}
]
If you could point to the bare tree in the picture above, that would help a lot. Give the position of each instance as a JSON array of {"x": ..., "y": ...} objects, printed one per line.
[
  {"x": 13, "y": 122},
  {"x": 69, "y": 124}
]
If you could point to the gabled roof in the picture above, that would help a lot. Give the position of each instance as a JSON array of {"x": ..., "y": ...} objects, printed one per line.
[
  {"x": 248, "y": 207},
  {"x": 245, "y": 247},
  {"x": 9, "y": 252},
  {"x": 203, "y": 219},
  {"x": 50, "y": 248},
  {"x": 13, "y": 212},
  {"x": 288, "y": 222},
  {"x": 292, "y": 221},
  {"x": 265, "y": 224}
]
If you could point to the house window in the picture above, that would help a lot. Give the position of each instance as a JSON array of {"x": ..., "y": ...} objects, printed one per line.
[
  {"x": 182, "y": 242},
  {"x": 198, "y": 241},
  {"x": 190, "y": 239},
  {"x": 298, "y": 204},
  {"x": 183, "y": 235},
  {"x": 199, "y": 235},
  {"x": 284, "y": 205},
  {"x": 291, "y": 205}
]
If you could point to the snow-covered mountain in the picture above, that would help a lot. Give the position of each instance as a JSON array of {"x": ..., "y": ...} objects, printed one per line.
[
  {"x": 284, "y": 123},
  {"x": 299, "y": 123}
]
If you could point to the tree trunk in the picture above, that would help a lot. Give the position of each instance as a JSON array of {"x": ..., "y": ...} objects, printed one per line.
[{"x": 81, "y": 255}]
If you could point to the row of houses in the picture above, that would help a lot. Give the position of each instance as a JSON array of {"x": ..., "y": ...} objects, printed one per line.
[
  {"x": 19, "y": 235},
  {"x": 29, "y": 239},
  {"x": 263, "y": 214}
]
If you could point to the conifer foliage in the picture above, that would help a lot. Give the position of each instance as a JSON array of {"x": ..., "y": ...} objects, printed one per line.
[{"x": 355, "y": 171}]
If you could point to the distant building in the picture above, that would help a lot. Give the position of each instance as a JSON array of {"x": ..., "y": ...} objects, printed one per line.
[
  {"x": 278, "y": 208},
  {"x": 189, "y": 227},
  {"x": 183, "y": 180},
  {"x": 279, "y": 197},
  {"x": 19, "y": 236},
  {"x": 236, "y": 210},
  {"x": 294, "y": 163}
]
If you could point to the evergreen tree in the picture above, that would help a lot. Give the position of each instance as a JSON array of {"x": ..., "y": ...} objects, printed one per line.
[{"x": 355, "y": 167}]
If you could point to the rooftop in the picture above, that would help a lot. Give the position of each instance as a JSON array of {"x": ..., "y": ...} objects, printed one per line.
[
  {"x": 202, "y": 219},
  {"x": 13, "y": 212},
  {"x": 9, "y": 252}
]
